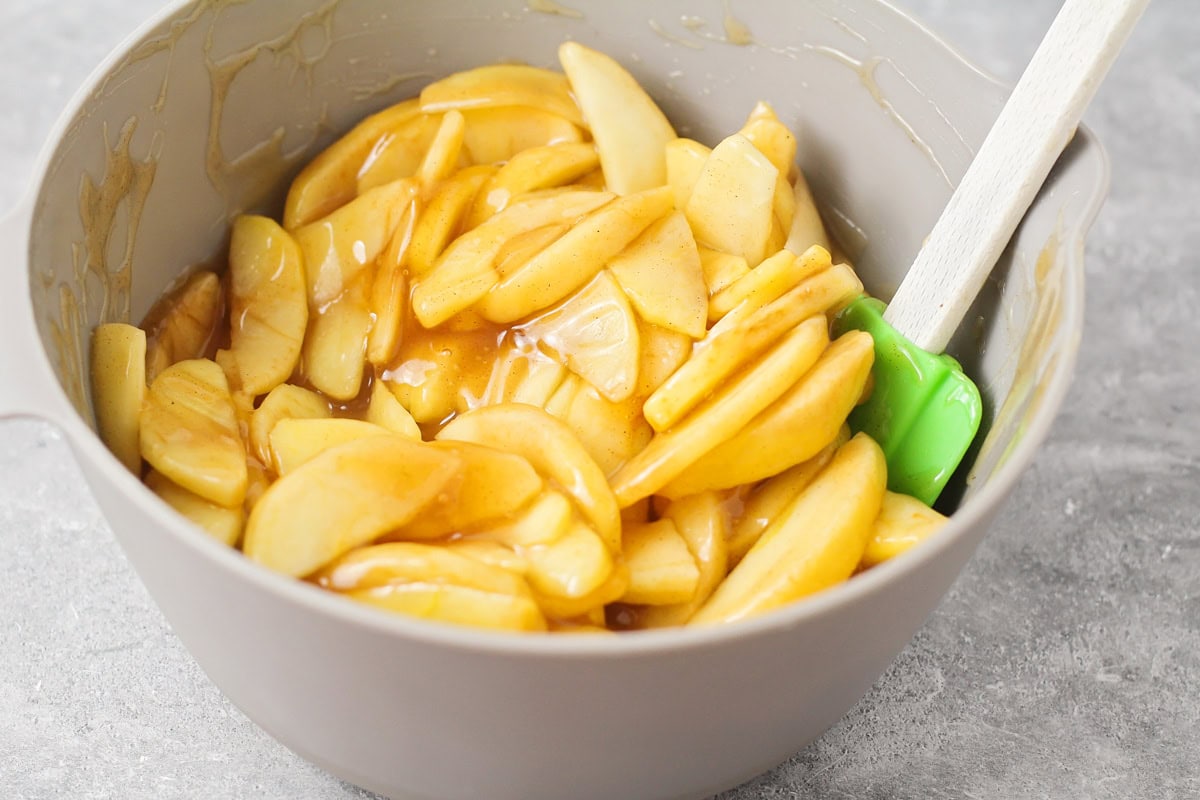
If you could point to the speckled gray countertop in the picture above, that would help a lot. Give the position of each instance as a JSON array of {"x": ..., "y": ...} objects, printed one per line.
[{"x": 1065, "y": 663}]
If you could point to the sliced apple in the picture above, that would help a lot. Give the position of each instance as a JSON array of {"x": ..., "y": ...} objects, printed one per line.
[
  {"x": 503, "y": 85},
  {"x": 189, "y": 432},
  {"x": 806, "y": 229},
  {"x": 334, "y": 355},
  {"x": 721, "y": 269},
  {"x": 493, "y": 485},
  {"x": 495, "y": 135},
  {"x": 732, "y": 204},
  {"x": 400, "y": 153},
  {"x": 268, "y": 303},
  {"x": 685, "y": 160},
  {"x": 572, "y": 566},
  {"x": 342, "y": 499},
  {"x": 224, "y": 524},
  {"x": 817, "y": 541},
  {"x": 553, "y": 450},
  {"x": 439, "y": 222},
  {"x": 612, "y": 433},
  {"x": 283, "y": 402},
  {"x": 703, "y": 523},
  {"x": 772, "y": 496},
  {"x": 529, "y": 170},
  {"x": 630, "y": 130},
  {"x": 182, "y": 324},
  {"x": 662, "y": 276},
  {"x": 118, "y": 370},
  {"x": 339, "y": 247},
  {"x": 296, "y": 441},
  {"x": 442, "y": 157},
  {"x": 795, "y": 428},
  {"x": 661, "y": 569},
  {"x": 523, "y": 374},
  {"x": 466, "y": 271},
  {"x": 726, "y": 412},
  {"x": 903, "y": 523},
  {"x": 663, "y": 352},
  {"x": 330, "y": 180},
  {"x": 575, "y": 257},
  {"x": 594, "y": 334},
  {"x": 386, "y": 411}
]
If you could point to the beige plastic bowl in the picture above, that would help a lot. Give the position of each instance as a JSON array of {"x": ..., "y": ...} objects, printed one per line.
[{"x": 212, "y": 106}]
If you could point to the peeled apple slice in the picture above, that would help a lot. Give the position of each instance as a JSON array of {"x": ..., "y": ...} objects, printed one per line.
[
  {"x": 268, "y": 303},
  {"x": 439, "y": 221},
  {"x": 661, "y": 569},
  {"x": 732, "y": 204},
  {"x": 296, "y": 441},
  {"x": 503, "y": 85},
  {"x": 630, "y": 129},
  {"x": 496, "y": 134},
  {"x": 283, "y": 402},
  {"x": 574, "y": 258},
  {"x": 552, "y": 449},
  {"x": 337, "y": 248},
  {"x": 119, "y": 388},
  {"x": 466, "y": 270},
  {"x": 224, "y": 524},
  {"x": 660, "y": 272},
  {"x": 530, "y": 170},
  {"x": 703, "y": 524},
  {"x": 330, "y": 180},
  {"x": 684, "y": 159},
  {"x": 189, "y": 432},
  {"x": 671, "y": 452},
  {"x": 903, "y": 523},
  {"x": 180, "y": 326},
  {"x": 594, "y": 333},
  {"x": 384, "y": 410},
  {"x": 794, "y": 428},
  {"x": 342, "y": 499},
  {"x": 493, "y": 485},
  {"x": 815, "y": 543}
]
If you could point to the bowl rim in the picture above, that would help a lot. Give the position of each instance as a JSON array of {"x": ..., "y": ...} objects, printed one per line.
[{"x": 311, "y": 599}]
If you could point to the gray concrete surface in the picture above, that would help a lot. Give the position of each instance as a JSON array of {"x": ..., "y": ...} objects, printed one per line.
[{"x": 1064, "y": 664}]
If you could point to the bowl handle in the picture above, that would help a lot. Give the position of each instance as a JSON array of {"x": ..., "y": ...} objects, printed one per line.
[{"x": 28, "y": 386}]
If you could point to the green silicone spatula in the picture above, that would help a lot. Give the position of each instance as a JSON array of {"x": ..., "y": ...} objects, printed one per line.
[{"x": 924, "y": 411}]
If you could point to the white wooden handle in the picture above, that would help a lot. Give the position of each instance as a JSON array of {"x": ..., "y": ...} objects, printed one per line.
[{"x": 1034, "y": 126}]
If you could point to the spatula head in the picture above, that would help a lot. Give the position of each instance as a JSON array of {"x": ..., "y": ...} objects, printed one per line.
[{"x": 923, "y": 410}]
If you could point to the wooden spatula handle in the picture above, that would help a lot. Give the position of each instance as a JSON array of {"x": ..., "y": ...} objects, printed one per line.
[{"x": 1034, "y": 126}]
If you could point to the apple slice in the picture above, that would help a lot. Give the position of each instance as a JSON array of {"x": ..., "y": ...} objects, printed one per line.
[
  {"x": 268, "y": 303},
  {"x": 502, "y": 85},
  {"x": 494, "y": 485},
  {"x": 494, "y": 135},
  {"x": 660, "y": 272},
  {"x": 662, "y": 570},
  {"x": 552, "y": 449},
  {"x": 283, "y": 402},
  {"x": 182, "y": 324},
  {"x": 295, "y": 441},
  {"x": 119, "y": 388},
  {"x": 594, "y": 334},
  {"x": 815, "y": 543},
  {"x": 329, "y": 181},
  {"x": 630, "y": 130},
  {"x": 575, "y": 257},
  {"x": 440, "y": 220},
  {"x": 732, "y": 204},
  {"x": 530, "y": 170},
  {"x": 224, "y": 524},
  {"x": 386, "y": 411},
  {"x": 342, "y": 499},
  {"x": 685, "y": 160},
  {"x": 339, "y": 247},
  {"x": 189, "y": 432},
  {"x": 466, "y": 271}
]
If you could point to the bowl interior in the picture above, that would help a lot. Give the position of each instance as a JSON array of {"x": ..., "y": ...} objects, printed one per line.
[{"x": 214, "y": 106}]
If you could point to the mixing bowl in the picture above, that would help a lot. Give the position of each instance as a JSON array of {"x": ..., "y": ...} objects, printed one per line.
[{"x": 209, "y": 109}]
